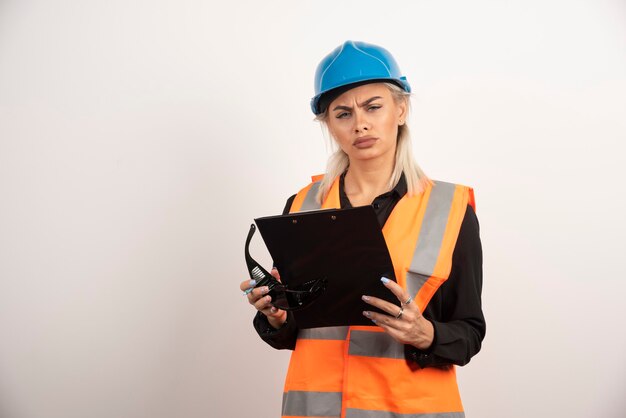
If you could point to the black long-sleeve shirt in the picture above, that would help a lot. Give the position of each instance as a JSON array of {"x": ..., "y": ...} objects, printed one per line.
[{"x": 454, "y": 310}]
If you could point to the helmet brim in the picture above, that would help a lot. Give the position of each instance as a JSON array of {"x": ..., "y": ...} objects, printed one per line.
[{"x": 320, "y": 103}]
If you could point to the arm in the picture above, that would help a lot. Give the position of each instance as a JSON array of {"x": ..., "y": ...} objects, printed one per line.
[
  {"x": 455, "y": 310},
  {"x": 283, "y": 337}
]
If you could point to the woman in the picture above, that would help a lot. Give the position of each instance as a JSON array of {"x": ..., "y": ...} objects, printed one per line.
[{"x": 402, "y": 365}]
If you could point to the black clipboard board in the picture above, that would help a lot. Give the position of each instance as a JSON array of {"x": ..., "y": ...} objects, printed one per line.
[{"x": 344, "y": 246}]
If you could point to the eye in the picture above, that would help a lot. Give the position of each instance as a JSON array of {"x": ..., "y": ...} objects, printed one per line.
[
  {"x": 342, "y": 115},
  {"x": 374, "y": 107}
]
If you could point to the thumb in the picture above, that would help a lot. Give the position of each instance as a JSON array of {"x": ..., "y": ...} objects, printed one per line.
[{"x": 275, "y": 273}]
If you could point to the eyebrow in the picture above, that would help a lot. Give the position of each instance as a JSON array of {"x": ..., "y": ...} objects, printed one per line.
[{"x": 365, "y": 103}]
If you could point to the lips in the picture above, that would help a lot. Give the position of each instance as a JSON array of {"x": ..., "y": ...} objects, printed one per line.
[{"x": 365, "y": 141}]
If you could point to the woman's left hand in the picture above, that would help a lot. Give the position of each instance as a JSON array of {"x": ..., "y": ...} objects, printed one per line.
[{"x": 404, "y": 323}]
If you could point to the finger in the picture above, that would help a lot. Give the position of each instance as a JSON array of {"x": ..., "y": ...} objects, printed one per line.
[
  {"x": 400, "y": 327},
  {"x": 275, "y": 273},
  {"x": 272, "y": 312},
  {"x": 410, "y": 313},
  {"x": 382, "y": 319},
  {"x": 395, "y": 333},
  {"x": 383, "y": 305},
  {"x": 247, "y": 284},
  {"x": 257, "y": 293},
  {"x": 263, "y": 303},
  {"x": 396, "y": 289}
]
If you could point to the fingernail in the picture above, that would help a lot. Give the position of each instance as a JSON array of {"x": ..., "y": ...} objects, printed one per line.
[
  {"x": 365, "y": 298},
  {"x": 274, "y": 268},
  {"x": 384, "y": 280},
  {"x": 367, "y": 314},
  {"x": 273, "y": 310},
  {"x": 374, "y": 321},
  {"x": 268, "y": 299},
  {"x": 252, "y": 282},
  {"x": 265, "y": 290}
]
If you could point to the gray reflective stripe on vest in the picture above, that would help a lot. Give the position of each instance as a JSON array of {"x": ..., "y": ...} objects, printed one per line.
[
  {"x": 363, "y": 413},
  {"x": 327, "y": 333},
  {"x": 431, "y": 236},
  {"x": 311, "y": 404},
  {"x": 310, "y": 203},
  {"x": 374, "y": 344},
  {"x": 378, "y": 344}
]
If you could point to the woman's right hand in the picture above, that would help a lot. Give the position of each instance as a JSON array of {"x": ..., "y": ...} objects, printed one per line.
[{"x": 259, "y": 298}]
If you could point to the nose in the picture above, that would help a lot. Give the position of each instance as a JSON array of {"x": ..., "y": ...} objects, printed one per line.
[{"x": 361, "y": 122}]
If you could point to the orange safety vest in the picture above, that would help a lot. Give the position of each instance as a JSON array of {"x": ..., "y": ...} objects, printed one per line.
[{"x": 360, "y": 371}]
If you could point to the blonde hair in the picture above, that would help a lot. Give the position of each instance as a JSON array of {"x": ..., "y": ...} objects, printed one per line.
[{"x": 405, "y": 162}]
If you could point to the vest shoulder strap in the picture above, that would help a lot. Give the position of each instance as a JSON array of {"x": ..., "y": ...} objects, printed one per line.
[
  {"x": 432, "y": 257},
  {"x": 306, "y": 198}
]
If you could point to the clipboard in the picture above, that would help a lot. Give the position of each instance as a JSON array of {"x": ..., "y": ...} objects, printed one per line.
[{"x": 345, "y": 247}]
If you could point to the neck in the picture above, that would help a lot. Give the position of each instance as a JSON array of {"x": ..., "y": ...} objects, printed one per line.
[{"x": 366, "y": 180}]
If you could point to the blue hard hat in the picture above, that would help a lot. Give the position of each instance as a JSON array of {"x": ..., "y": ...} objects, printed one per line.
[{"x": 351, "y": 64}]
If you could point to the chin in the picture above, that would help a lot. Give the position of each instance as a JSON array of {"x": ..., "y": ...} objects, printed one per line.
[{"x": 365, "y": 157}]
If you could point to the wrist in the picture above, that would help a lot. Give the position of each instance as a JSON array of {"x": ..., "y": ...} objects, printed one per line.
[
  {"x": 426, "y": 335},
  {"x": 278, "y": 319}
]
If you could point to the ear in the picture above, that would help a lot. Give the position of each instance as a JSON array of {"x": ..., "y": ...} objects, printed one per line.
[{"x": 402, "y": 112}]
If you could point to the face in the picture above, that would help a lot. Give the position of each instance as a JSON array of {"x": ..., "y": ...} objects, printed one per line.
[{"x": 364, "y": 121}]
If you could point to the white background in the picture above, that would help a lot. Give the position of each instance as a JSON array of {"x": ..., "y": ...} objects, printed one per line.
[{"x": 138, "y": 140}]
